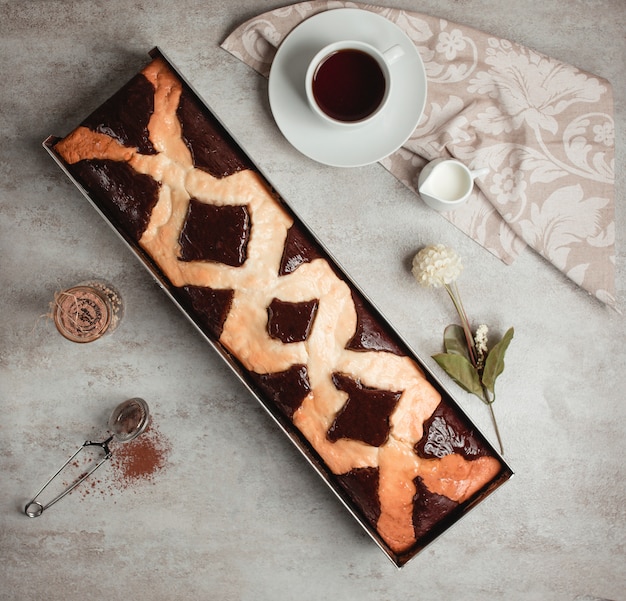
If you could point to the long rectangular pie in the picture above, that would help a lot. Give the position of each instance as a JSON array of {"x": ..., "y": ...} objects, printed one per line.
[{"x": 386, "y": 437}]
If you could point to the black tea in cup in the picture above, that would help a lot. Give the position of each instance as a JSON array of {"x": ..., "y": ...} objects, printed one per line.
[{"x": 349, "y": 85}]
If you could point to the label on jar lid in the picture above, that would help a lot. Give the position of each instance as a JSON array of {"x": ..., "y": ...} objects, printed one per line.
[{"x": 82, "y": 313}]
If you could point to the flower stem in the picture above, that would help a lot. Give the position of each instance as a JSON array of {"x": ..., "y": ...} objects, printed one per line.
[
  {"x": 458, "y": 305},
  {"x": 489, "y": 401}
]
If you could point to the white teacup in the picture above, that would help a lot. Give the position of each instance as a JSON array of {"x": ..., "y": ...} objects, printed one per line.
[
  {"x": 348, "y": 83},
  {"x": 446, "y": 184}
]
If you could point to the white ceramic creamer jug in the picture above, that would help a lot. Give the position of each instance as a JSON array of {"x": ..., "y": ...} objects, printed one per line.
[{"x": 446, "y": 184}]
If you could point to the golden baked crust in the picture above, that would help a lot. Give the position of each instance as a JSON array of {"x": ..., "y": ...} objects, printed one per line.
[{"x": 245, "y": 334}]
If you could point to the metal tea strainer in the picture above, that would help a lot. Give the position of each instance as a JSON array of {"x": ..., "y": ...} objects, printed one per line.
[{"x": 128, "y": 420}]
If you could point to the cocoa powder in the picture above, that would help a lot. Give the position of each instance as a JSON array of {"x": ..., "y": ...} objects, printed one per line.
[{"x": 139, "y": 459}]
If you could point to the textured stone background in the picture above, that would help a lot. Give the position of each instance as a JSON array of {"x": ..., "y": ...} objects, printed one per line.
[{"x": 235, "y": 513}]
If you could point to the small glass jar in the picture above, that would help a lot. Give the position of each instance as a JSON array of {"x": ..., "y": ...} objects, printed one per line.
[{"x": 87, "y": 311}]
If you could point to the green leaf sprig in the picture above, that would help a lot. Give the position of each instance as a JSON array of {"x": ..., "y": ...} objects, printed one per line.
[{"x": 467, "y": 358}]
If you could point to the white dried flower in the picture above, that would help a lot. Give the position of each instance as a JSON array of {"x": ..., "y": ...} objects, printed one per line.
[
  {"x": 435, "y": 266},
  {"x": 481, "y": 339}
]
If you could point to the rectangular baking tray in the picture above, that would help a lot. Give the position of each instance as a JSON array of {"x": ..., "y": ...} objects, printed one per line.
[{"x": 399, "y": 560}]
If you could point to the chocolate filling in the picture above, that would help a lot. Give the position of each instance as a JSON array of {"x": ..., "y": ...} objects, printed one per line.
[
  {"x": 291, "y": 322},
  {"x": 361, "y": 486},
  {"x": 428, "y": 508},
  {"x": 446, "y": 432},
  {"x": 126, "y": 196},
  {"x": 369, "y": 335},
  {"x": 215, "y": 233},
  {"x": 365, "y": 415},
  {"x": 287, "y": 389},
  {"x": 298, "y": 250},
  {"x": 211, "y": 147},
  {"x": 210, "y": 305},
  {"x": 125, "y": 116}
]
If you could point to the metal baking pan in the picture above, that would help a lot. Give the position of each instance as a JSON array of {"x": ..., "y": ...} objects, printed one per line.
[{"x": 281, "y": 420}]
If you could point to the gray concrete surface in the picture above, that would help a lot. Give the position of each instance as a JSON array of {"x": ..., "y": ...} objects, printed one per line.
[{"x": 234, "y": 512}]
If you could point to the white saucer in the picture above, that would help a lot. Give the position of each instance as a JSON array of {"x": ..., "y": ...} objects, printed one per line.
[{"x": 336, "y": 145}]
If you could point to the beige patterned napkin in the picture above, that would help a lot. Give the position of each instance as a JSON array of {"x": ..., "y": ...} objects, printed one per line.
[{"x": 544, "y": 128}]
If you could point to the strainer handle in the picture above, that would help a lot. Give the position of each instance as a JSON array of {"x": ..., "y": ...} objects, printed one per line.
[{"x": 34, "y": 508}]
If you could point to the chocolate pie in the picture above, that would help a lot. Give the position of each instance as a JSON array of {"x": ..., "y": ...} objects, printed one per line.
[{"x": 392, "y": 444}]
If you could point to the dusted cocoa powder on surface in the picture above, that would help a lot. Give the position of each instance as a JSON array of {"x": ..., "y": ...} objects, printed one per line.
[{"x": 140, "y": 459}]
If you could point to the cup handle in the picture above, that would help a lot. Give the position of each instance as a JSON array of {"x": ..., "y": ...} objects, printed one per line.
[{"x": 393, "y": 54}]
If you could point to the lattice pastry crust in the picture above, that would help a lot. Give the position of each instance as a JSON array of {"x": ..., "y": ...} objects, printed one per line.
[{"x": 256, "y": 283}]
